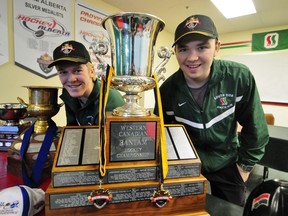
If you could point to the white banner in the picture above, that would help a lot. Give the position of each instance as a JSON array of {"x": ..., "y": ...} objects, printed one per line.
[
  {"x": 39, "y": 27},
  {"x": 88, "y": 29},
  {"x": 4, "y": 32}
]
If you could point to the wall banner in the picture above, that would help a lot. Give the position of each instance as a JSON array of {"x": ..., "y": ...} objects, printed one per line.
[
  {"x": 89, "y": 30},
  {"x": 4, "y": 56},
  {"x": 39, "y": 27},
  {"x": 268, "y": 41}
]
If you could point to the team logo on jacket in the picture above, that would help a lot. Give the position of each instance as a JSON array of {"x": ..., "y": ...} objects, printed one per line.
[{"x": 224, "y": 101}]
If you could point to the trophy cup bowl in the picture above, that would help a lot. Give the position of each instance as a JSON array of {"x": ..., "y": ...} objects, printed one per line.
[
  {"x": 11, "y": 113},
  {"x": 42, "y": 105},
  {"x": 132, "y": 41}
]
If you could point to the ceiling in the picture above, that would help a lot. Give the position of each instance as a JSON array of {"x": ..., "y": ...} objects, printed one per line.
[{"x": 172, "y": 12}]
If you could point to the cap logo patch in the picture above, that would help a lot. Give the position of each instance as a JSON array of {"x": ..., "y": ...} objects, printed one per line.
[
  {"x": 262, "y": 199},
  {"x": 66, "y": 49},
  {"x": 192, "y": 22}
]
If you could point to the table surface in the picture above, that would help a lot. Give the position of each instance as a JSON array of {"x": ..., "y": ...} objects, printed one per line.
[
  {"x": 218, "y": 207},
  {"x": 9, "y": 180}
]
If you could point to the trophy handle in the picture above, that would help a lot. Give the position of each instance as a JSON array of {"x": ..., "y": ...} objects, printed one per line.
[
  {"x": 21, "y": 101},
  {"x": 100, "y": 48},
  {"x": 165, "y": 53}
]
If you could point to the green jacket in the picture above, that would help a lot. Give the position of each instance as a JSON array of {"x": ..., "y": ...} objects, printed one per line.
[
  {"x": 231, "y": 97},
  {"x": 89, "y": 113}
]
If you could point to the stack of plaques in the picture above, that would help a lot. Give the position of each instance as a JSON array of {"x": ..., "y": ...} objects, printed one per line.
[{"x": 132, "y": 165}]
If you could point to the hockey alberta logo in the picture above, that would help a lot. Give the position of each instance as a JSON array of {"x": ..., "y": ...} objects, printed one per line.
[{"x": 42, "y": 26}]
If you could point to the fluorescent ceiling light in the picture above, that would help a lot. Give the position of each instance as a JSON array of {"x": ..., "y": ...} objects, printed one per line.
[{"x": 234, "y": 8}]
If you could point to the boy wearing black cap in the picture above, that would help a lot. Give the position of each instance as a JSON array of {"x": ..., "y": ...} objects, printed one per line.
[
  {"x": 81, "y": 89},
  {"x": 209, "y": 97}
]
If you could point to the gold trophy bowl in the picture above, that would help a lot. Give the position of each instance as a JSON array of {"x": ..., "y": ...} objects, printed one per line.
[{"x": 42, "y": 105}]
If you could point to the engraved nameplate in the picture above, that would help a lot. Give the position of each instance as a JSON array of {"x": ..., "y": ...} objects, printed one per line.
[
  {"x": 132, "y": 174},
  {"x": 183, "y": 170},
  {"x": 69, "y": 200},
  {"x": 137, "y": 193},
  {"x": 80, "y": 146},
  {"x": 70, "y": 148},
  {"x": 73, "y": 178},
  {"x": 132, "y": 141},
  {"x": 178, "y": 144},
  {"x": 91, "y": 147},
  {"x": 132, "y": 194}
]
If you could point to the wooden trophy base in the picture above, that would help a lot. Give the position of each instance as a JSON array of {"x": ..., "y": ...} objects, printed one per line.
[
  {"x": 190, "y": 200},
  {"x": 132, "y": 171}
]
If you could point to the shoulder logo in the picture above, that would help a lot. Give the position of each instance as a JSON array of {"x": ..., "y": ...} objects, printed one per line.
[{"x": 262, "y": 199}]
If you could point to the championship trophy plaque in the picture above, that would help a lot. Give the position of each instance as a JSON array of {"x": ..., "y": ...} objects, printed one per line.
[{"x": 130, "y": 163}]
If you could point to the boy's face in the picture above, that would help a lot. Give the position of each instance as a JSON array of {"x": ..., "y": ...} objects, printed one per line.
[
  {"x": 76, "y": 78},
  {"x": 195, "y": 56}
]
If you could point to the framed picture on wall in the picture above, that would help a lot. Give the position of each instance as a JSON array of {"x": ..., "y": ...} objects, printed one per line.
[{"x": 39, "y": 27}]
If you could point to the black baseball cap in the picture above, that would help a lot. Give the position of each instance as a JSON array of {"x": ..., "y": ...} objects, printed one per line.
[
  {"x": 269, "y": 198},
  {"x": 70, "y": 51},
  {"x": 196, "y": 24}
]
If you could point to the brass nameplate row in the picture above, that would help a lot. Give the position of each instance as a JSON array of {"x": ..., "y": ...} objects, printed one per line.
[
  {"x": 131, "y": 153},
  {"x": 124, "y": 192},
  {"x": 91, "y": 177}
]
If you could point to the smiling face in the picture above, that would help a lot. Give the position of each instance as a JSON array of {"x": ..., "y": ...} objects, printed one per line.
[
  {"x": 76, "y": 78},
  {"x": 195, "y": 56}
]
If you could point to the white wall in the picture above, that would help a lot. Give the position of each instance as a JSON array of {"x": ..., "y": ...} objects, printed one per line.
[
  {"x": 280, "y": 112},
  {"x": 13, "y": 78}
]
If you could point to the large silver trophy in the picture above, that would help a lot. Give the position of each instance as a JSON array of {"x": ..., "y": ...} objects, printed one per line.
[
  {"x": 132, "y": 41},
  {"x": 131, "y": 148}
]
